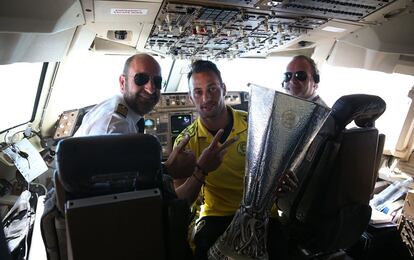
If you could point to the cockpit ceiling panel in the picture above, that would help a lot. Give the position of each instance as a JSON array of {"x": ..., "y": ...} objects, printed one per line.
[
  {"x": 340, "y": 9},
  {"x": 234, "y": 28}
]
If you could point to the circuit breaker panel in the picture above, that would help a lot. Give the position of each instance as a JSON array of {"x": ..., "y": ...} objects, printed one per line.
[{"x": 233, "y": 28}]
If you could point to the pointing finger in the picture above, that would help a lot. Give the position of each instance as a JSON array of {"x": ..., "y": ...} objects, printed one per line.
[{"x": 183, "y": 143}]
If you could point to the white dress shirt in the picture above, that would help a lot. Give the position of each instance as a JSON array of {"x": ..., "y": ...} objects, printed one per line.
[{"x": 109, "y": 117}]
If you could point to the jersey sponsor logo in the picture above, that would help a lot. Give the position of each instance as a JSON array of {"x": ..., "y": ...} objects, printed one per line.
[
  {"x": 122, "y": 110},
  {"x": 241, "y": 148}
]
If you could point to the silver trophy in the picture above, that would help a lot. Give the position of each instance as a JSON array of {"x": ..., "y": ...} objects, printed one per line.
[{"x": 281, "y": 129}]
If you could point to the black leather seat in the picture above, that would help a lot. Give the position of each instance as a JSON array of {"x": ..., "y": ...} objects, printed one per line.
[
  {"x": 114, "y": 201},
  {"x": 330, "y": 209}
]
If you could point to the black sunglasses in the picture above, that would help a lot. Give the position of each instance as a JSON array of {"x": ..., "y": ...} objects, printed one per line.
[
  {"x": 299, "y": 75},
  {"x": 141, "y": 79}
]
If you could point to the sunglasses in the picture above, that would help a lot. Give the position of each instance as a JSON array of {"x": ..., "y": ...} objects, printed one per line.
[
  {"x": 299, "y": 75},
  {"x": 141, "y": 79}
]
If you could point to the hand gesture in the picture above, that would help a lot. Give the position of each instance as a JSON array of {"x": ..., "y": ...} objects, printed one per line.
[
  {"x": 181, "y": 162},
  {"x": 211, "y": 157}
]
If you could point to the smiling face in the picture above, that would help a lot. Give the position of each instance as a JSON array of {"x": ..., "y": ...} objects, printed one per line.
[
  {"x": 207, "y": 93},
  {"x": 303, "y": 89},
  {"x": 143, "y": 98}
]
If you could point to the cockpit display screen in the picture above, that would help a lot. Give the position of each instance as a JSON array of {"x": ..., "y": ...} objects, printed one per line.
[{"x": 179, "y": 123}]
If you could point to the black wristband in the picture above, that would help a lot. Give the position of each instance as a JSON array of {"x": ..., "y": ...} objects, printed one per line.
[
  {"x": 201, "y": 170},
  {"x": 198, "y": 179}
]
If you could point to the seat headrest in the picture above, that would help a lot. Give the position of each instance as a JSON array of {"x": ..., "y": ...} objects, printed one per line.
[
  {"x": 363, "y": 109},
  {"x": 93, "y": 162}
]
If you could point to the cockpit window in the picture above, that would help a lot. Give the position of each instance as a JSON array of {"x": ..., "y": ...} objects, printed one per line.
[
  {"x": 94, "y": 77},
  {"x": 393, "y": 88},
  {"x": 20, "y": 85},
  {"x": 335, "y": 82},
  {"x": 237, "y": 73}
]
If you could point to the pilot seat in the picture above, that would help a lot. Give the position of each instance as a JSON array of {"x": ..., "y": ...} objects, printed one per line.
[
  {"x": 111, "y": 201},
  {"x": 330, "y": 209}
]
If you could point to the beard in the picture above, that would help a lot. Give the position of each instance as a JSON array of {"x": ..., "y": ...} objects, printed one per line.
[{"x": 141, "y": 103}]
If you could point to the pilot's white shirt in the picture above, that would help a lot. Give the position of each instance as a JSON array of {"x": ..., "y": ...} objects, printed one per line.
[{"x": 109, "y": 117}]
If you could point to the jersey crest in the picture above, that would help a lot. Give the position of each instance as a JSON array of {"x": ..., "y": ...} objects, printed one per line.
[{"x": 241, "y": 148}]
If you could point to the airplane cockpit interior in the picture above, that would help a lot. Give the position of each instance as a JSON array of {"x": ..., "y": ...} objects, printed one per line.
[{"x": 66, "y": 197}]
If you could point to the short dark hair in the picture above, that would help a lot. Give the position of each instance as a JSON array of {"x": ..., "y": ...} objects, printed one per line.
[
  {"x": 315, "y": 71},
  {"x": 204, "y": 66}
]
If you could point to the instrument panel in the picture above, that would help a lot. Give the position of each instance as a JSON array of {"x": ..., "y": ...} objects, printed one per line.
[{"x": 235, "y": 28}]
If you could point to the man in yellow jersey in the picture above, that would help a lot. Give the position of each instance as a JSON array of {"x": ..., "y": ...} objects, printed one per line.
[{"x": 221, "y": 189}]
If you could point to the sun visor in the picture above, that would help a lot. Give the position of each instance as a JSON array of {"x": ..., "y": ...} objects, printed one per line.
[
  {"x": 111, "y": 47},
  {"x": 392, "y": 36},
  {"x": 46, "y": 16},
  {"x": 126, "y": 23},
  {"x": 34, "y": 47},
  {"x": 386, "y": 47},
  {"x": 352, "y": 56}
]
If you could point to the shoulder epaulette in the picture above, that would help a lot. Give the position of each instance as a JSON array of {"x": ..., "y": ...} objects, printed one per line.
[{"x": 122, "y": 110}]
